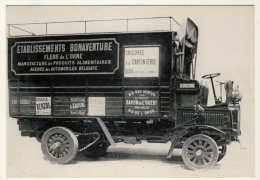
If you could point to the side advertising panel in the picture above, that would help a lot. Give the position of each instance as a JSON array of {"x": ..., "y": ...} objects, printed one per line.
[
  {"x": 74, "y": 106},
  {"x": 67, "y": 106},
  {"x": 43, "y": 105},
  {"x": 105, "y": 106},
  {"x": 84, "y": 56},
  {"x": 141, "y": 102},
  {"x": 31, "y": 105},
  {"x": 96, "y": 106},
  {"x": 141, "y": 61}
]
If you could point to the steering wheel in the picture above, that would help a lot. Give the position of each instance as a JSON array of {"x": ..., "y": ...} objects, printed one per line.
[{"x": 210, "y": 76}]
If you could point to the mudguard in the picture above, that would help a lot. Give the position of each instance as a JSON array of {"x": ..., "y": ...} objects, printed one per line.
[
  {"x": 106, "y": 132},
  {"x": 185, "y": 131}
]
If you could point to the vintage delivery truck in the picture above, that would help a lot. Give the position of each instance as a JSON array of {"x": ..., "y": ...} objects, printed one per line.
[{"x": 85, "y": 92}]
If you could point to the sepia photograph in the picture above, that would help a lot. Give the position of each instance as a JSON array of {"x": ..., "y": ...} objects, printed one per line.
[{"x": 130, "y": 91}]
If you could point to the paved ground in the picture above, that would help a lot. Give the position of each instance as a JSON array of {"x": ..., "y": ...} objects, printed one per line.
[{"x": 25, "y": 160}]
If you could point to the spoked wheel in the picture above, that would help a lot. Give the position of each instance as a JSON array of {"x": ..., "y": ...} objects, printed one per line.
[
  {"x": 200, "y": 152},
  {"x": 222, "y": 152},
  {"x": 96, "y": 150},
  {"x": 59, "y": 145}
]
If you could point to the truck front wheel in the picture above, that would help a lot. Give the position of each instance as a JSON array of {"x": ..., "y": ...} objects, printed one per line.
[
  {"x": 200, "y": 152},
  {"x": 222, "y": 153},
  {"x": 59, "y": 145}
]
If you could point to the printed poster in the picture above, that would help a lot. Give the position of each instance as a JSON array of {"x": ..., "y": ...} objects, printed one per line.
[
  {"x": 142, "y": 62},
  {"x": 96, "y": 106},
  {"x": 43, "y": 105}
]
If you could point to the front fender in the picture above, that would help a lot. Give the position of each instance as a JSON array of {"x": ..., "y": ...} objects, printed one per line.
[{"x": 185, "y": 130}]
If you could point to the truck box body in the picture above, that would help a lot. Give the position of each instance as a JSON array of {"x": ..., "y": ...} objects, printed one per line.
[{"x": 116, "y": 85}]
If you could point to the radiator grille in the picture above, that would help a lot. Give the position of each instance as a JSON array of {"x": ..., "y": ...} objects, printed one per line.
[{"x": 209, "y": 118}]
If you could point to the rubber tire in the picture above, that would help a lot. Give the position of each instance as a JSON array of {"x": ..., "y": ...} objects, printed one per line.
[
  {"x": 203, "y": 138},
  {"x": 96, "y": 150},
  {"x": 39, "y": 135},
  {"x": 224, "y": 150},
  {"x": 73, "y": 144}
]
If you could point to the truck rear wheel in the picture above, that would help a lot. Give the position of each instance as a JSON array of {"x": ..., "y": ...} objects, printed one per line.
[
  {"x": 39, "y": 135},
  {"x": 96, "y": 150},
  {"x": 59, "y": 145},
  {"x": 200, "y": 152}
]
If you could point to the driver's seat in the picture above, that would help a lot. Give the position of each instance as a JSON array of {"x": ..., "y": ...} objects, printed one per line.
[
  {"x": 203, "y": 95},
  {"x": 229, "y": 96}
]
